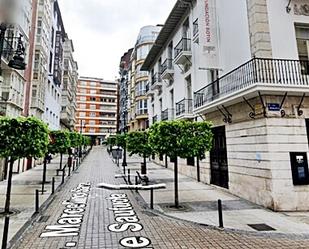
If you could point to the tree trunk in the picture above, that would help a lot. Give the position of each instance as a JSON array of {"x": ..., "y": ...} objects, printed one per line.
[
  {"x": 5, "y": 170},
  {"x": 44, "y": 173},
  {"x": 144, "y": 166},
  {"x": 198, "y": 169},
  {"x": 9, "y": 188},
  {"x": 176, "y": 182},
  {"x": 61, "y": 155}
]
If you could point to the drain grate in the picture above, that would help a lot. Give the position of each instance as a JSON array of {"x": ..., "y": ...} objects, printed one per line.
[
  {"x": 43, "y": 219},
  {"x": 261, "y": 227}
]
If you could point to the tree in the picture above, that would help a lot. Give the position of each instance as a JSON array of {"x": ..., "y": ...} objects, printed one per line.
[
  {"x": 137, "y": 143},
  {"x": 60, "y": 143},
  {"x": 21, "y": 138},
  {"x": 180, "y": 139}
]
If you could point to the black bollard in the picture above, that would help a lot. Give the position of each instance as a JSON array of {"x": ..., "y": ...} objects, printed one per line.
[
  {"x": 151, "y": 198},
  {"x": 63, "y": 173},
  {"x": 53, "y": 185},
  {"x": 5, "y": 232},
  {"x": 220, "y": 214},
  {"x": 37, "y": 201}
]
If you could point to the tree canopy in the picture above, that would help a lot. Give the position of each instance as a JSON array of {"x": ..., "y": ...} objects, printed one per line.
[
  {"x": 137, "y": 143},
  {"x": 23, "y": 137},
  {"x": 181, "y": 138},
  {"x": 60, "y": 142}
]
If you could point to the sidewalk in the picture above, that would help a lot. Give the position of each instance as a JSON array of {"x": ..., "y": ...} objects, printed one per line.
[
  {"x": 199, "y": 204},
  {"x": 23, "y": 194}
]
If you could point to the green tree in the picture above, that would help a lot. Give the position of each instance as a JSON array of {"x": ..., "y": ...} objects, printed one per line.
[
  {"x": 60, "y": 143},
  {"x": 137, "y": 143},
  {"x": 21, "y": 138},
  {"x": 121, "y": 140},
  {"x": 180, "y": 139}
]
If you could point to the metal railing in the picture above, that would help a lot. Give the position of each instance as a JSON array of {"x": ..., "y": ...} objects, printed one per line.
[
  {"x": 195, "y": 27},
  {"x": 184, "y": 106},
  {"x": 167, "y": 64},
  {"x": 183, "y": 46},
  {"x": 167, "y": 114},
  {"x": 154, "y": 119},
  {"x": 278, "y": 72},
  {"x": 142, "y": 112},
  {"x": 155, "y": 78}
]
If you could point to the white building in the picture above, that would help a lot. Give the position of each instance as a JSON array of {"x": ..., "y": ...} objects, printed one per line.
[
  {"x": 13, "y": 81},
  {"x": 243, "y": 65},
  {"x": 55, "y": 69}
]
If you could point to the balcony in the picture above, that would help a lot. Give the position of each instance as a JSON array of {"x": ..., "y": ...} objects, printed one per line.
[
  {"x": 167, "y": 114},
  {"x": 141, "y": 114},
  {"x": 167, "y": 69},
  {"x": 156, "y": 81},
  {"x": 195, "y": 31},
  {"x": 268, "y": 76},
  {"x": 184, "y": 109},
  {"x": 154, "y": 119},
  {"x": 182, "y": 52}
]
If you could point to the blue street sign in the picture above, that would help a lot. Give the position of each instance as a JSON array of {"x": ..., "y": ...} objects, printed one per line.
[{"x": 275, "y": 107}]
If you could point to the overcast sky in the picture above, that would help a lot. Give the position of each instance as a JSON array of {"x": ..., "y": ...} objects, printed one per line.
[{"x": 102, "y": 30}]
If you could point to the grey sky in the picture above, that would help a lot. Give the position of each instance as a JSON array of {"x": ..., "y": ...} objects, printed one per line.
[{"x": 102, "y": 30}]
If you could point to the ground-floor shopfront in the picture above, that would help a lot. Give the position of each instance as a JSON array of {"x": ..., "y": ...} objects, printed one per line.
[{"x": 262, "y": 158}]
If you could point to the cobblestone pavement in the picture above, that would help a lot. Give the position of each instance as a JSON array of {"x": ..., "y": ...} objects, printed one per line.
[{"x": 162, "y": 231}]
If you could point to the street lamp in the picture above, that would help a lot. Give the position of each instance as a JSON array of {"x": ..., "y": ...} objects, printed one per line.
[
  {"x": 18, "y": 61},
  {"x": 125, "y": 130}
]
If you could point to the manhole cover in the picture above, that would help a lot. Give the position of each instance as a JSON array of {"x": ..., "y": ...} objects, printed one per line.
[
  {"x": 12, "y": 212},
  {"x": 261, "y": 227}
]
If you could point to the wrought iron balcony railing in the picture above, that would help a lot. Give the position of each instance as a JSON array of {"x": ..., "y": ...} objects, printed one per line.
[
  {"x": 167, "y": 64},
  {"x": 184, "y": 106},
  {"x": 167, "y": 114},
  {"x": 183, "y": 46},
  {"x": 155, "y": 78},
  {"x": 154, "y": 119},
  {"x": 266, "y": 72},
  {"x": 195, "y": 27}
]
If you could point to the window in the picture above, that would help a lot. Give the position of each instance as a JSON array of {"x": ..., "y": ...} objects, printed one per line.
[
  {"x": 92, "y": 107},
  {"x": 82, "y": 114},
  {"x": 83, "y": 98},
  {"x": 93, "y": 83},
  {"x": 92, "y": 91},
  {"x": 92, "y": 114},
  {"x": 82, "y": 106},
  {"x": 92, "y": 99},
  {"x": 302, "y": 38}
]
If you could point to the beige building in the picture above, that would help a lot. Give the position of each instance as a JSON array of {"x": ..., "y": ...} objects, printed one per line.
[
  {"x": 138, "y": 110},
  {"x": 97, "y": 107}
]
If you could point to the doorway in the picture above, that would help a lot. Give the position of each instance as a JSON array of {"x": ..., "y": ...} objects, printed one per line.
[{"x": 218, "y": 159}]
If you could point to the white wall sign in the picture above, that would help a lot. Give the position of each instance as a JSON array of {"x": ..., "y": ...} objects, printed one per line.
[{"x": 210, "y": 43}]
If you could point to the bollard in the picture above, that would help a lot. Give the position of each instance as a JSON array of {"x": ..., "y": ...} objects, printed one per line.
[
  {"x": 63, "y": 173},
  {"x": 220, "y": 214},
  {"x": 5, "y": 232},
  {"x": 37, "y": 201},
  {"x": 74, "y": 165},
  {"x": 136, "y": 184},
  {"x": 69, "y": 174},
  {"x": 151, "y": 198},
  {"x": 53, "y": 185},
  {"x": 129, "y": 177}
]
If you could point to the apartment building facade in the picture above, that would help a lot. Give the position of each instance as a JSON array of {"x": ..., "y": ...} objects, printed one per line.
[
  {"x": 12, "y": 80},
  {"x": 226, "y": 62},
  {"x": 138, "y": 111},
  {"x": 124, "y": 103},
  {"x": 69, "y": 87},
  {"x": 97, "y": 110}
]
